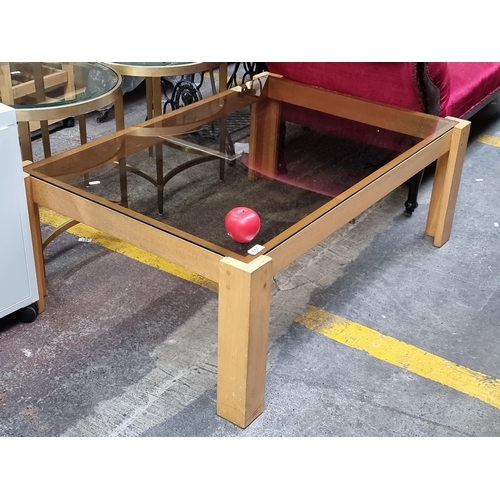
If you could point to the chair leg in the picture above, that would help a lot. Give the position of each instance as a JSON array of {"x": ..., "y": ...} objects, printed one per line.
[{"x": 411, "y": 203}]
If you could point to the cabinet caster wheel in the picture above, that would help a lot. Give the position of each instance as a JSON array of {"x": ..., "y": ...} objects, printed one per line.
[
  {"x": 69, "y": 122},
  {"x": 28, "y": 314}
]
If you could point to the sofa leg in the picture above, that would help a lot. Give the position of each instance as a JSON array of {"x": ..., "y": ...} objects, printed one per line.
[{"x": 411, "y": 203}]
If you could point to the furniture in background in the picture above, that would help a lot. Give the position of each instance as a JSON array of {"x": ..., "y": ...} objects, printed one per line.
[
  {"x": 244, "y": 72},
  {"x": 295, "y": 216},
  {"x": 43, "y": 92},
  {"x": 19, "y": 286},
  {"x": 185, "y": 90},
  {"x": 455, "y": 89},
  {"x": 154, "y": 72}
]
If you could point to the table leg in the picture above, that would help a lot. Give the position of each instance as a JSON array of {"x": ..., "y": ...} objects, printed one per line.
[
  {"x": 149, "y": 98},
  {"x": 122, "y": 163},
  {"x": 264, "y": 139},
  {"x": 25, "y": 140},
  {"x": 6, "y": 90},
  {"x": 82, "y": 123},
  {"x": 157, "y": 111},
  {"x": 36, "y": 238},
  {"x": 40, "y": 98},
  {"x": 446, "y": 184},
  {"x": 149, "y": 103},
  {"x": 222, "y": 146},
  {"x": 119, "y": 113},
  {"x": 223, "y": 77},
  {"x": 222, "y": 121},
  {"x": 244, "y": 308},
  {"x": 44, "y": 127}
]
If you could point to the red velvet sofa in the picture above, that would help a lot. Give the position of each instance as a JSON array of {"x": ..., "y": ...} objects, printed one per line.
[{"x": 455, "y": 89}]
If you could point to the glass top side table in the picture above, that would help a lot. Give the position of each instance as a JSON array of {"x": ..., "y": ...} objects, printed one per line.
[
  {"x": 53, "y": 91},
  {"x": 185, "y": 91},
  {"x": 153, "y": 72}
]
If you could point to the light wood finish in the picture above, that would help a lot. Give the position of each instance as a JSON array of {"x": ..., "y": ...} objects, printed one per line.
[
  {"x": 123, "y": 226},
  {"x": 446, "y": 184},
  {"x": 6, "y": 91},
  {"x": 36, "y": 238},
  {"x": 61, "y": 111},
  {"x": 368, "y": 112},
  {"x": 245, "y": 281},
  {"x": 244, "y": 308},
  {"x": 9, "y": 93},
  {"x": 70, "y": 83},
  {"x": 353, "y": 202},
  {"x": 40, "y": 97},
  {"x": 25, "y": 140},
  {"x": 51, "y": 78},
  {"x": 264, "y": 132}
]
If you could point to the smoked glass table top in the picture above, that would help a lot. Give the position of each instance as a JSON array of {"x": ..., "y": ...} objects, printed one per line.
[{"x": 213, "y": 161}]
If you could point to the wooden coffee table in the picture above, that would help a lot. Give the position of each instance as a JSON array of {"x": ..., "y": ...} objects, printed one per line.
[{"x": 298, "y": 208}]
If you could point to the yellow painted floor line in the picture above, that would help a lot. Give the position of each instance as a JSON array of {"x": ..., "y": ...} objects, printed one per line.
[
  {"x": 388, "y": 349},
  {"x": 81, "y": 230},
  {"x": 492, "y": 140},
  {"x": 395, "y": 352}
]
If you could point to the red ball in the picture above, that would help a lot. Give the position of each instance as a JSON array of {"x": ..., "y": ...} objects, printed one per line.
[{"x": 242, "y": 224}]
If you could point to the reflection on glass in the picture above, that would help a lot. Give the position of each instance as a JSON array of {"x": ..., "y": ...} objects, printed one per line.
[
  {"x": 153, "y": 63},
  {"x": 46, "y": 84},
  {"x": 205, "y": 177}
]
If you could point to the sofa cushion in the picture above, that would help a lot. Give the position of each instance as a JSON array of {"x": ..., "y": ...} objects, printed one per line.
[
  {"x": 392, "y": 83},
  {"x": 471, "y": 84},
  {"x": 388, "y": 83},
  {"x": 463, "y": 86}
]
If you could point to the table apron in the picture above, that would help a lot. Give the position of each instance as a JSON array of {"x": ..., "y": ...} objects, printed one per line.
[
  {"x": 306, "y": 239},
  {"x": 205, "y": 262},
  {"x": 176, "y": 250}
]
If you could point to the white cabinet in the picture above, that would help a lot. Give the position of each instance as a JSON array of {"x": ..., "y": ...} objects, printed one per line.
[{"x": 18, "y": 285}]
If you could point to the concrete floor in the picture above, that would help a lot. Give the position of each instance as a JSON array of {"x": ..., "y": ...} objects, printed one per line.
[{"x": 127, "y": 349}]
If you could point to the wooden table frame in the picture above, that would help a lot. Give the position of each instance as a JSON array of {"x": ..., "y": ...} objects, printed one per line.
[{"x": 245, "y": 286}]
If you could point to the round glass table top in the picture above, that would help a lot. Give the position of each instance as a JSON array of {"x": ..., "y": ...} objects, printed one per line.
[
  {"x": 153, "y": 63},
  {"x": 161, "y": 69},
  {"x": 36, "y": 85}
]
